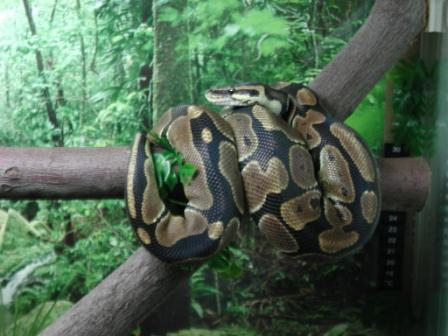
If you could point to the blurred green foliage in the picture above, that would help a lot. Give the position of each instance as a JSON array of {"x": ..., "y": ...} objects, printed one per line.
[
  {"x": 37, "y": 319},
  {"x": 414, "y": 103}
]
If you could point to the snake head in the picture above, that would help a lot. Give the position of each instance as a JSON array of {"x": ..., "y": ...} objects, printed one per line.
[
  {"x": 238, "y": 95},
  {"x": 246, "y": 95}
]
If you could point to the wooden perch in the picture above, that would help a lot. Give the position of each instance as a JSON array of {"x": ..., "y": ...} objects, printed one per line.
[
  {"x": 388, "y": 32},
  {"x": 74, "y": 173},
  {"x": 136, "y": 288},
  {"x": 63, "y": 173},
  {"x": 122, "y": 300}
]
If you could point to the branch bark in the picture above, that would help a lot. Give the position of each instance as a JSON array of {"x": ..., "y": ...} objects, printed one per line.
[
  {"x": 74, "y": 173},
  {"x": 389, "y": 30},
  {"x": 123, "y": 299},
  {"x": 135, "y": 288},
  {"x": 62, "y": 173}
]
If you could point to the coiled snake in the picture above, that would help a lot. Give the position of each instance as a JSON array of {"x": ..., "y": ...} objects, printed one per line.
[{"x": 307, "y": 180}]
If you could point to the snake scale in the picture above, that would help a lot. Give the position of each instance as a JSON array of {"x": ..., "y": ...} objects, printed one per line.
[{"x": 307, "y": 180}]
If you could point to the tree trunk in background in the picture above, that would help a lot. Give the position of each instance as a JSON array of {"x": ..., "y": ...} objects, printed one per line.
[
  {"x": 171, "y": 84},
  {"x": 196, "y": 75},
  {"x": 7, "y": 86},
  {"x": 60, "y": 98},
  {"x": 83, "y": 65},
  {"x": 145, "y": 73},
  {"x": 171, "y": 78},
  {"x": 51, "y": 112},
  {"x": 95, "y": 48},
  {"x": 53, "y": 12},
  {"x": 146, "y": 10}
]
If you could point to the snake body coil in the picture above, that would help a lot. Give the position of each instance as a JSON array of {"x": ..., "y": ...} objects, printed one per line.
[{"x": 307, "y": 180}]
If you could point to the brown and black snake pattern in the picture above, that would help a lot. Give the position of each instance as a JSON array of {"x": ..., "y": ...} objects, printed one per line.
[{"x": 307, "y": 180}]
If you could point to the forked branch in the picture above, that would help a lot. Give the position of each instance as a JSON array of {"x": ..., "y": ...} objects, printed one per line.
[{"x": 132, "y": 291}]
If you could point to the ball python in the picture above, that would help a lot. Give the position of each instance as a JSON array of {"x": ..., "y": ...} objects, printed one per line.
[{"x": 307, "y": 180}]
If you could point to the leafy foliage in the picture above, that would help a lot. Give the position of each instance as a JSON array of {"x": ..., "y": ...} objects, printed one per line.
[
  {"x": 37, "y": 319},
  {"x": 170, "y": 167},
  {"x": 369, "y": 118},
  {"x": 414, "y": 102},
  {"x": 224, "y": 331},
  {"x": 97, "y": 251}
]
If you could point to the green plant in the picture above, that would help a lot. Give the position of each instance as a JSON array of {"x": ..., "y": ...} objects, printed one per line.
[
  {"x": 35, "y": 321},
  {"x": 414, "y": 102},
  {"x": 170, "y": 168},
  {"x": 229, "y": 264},
  {"x": 81, "y": 267}
]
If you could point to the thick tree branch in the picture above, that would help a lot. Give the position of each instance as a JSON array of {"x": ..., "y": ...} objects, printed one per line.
[
  {"x": 68, "y": 173},
  {"x": 122, "y": 300},
  {"x": 62, "y": 173},
  {"x": 389, "y": 30},
  {"x": 139, "y": 285}
]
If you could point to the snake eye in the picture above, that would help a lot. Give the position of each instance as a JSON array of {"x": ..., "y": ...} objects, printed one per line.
[{"x": 231, "y": 90}]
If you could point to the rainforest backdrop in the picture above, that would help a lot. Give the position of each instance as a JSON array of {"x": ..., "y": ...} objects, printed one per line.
[{"x": 83, "y": 73}]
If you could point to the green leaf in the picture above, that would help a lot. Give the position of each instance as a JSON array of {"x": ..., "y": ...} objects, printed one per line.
[
  {"x": 338, "y": 330},
  {"x": 113, "y": 241},
  {"x": 186, "y": 173},
  {"x": 162, "y": 166},
  {"x": 168, "y": 14},
  {"x": 170, "y": 155},
  {"x": 257, "y": 22},
  {"x": 170, "y": 168},
  {"x": 231, "y": 30},
  {"x": 147, "y": 46},
  {"x": 3, "y": 222},
  {"x": 269, "y": 45},
  {"x": 197, "y": 308},
  {"x": 237, "y": 309},
  {"x": 171, "y": 180},
  {"x": 229, "y": 263},
  {"x": 161, "y": 141},
  {"x": 117, "y": 39}
]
